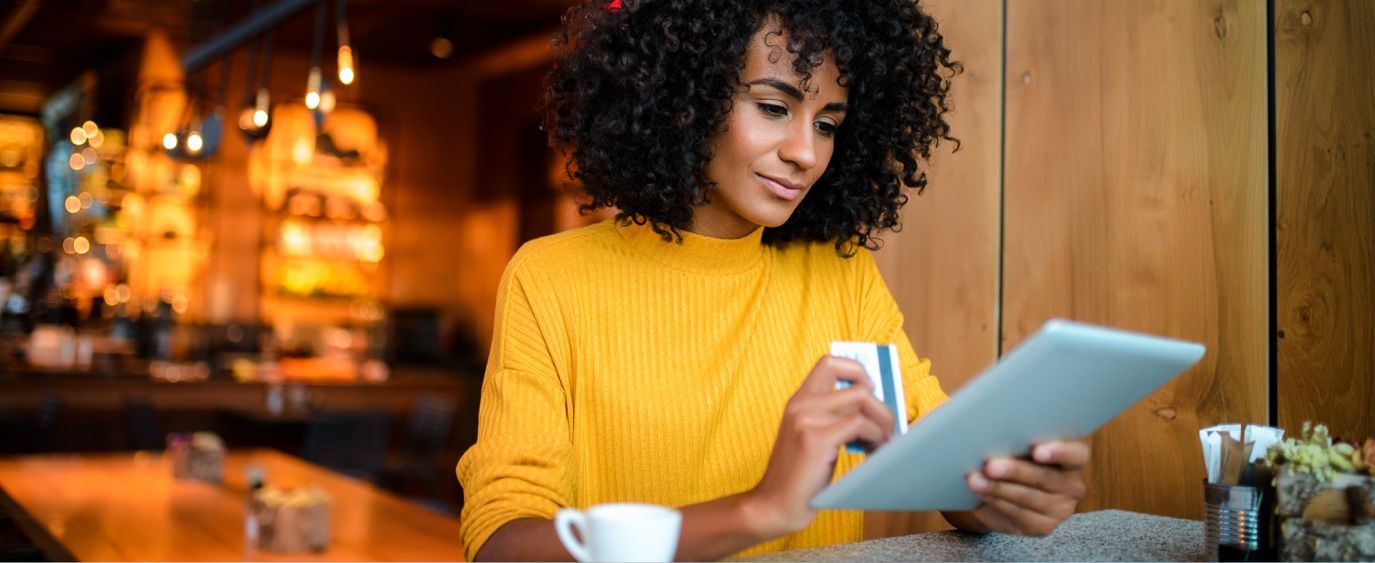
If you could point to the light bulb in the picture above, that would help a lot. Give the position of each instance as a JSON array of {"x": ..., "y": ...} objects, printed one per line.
[
  {"x": 260, "y": 115},
  {"x": 313, "y": 88},
  {"x": 169, "y": 141},
  {"x": 90, "y": 128},
  {"x": 76, "y": 161},
  {"x": 194, "y": 142},
  {"x": 346, "y": 73},
  {"x": 78, "y": 136}
]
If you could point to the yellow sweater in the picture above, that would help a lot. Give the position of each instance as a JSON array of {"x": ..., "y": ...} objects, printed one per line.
[{"x": 627, "y": 369}]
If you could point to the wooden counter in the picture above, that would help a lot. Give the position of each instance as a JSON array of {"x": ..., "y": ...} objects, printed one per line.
[
  {"x": 127, "y": 507},
  {"x": 91, "y": 416}
]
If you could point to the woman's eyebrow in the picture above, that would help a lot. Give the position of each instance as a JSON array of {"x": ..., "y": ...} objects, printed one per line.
[{"x": 796, "y": 94}]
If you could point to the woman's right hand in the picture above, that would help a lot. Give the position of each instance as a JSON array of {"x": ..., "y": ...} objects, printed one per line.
[{"x": 818, "y": 420}]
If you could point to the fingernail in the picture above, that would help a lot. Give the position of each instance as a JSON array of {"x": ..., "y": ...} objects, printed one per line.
[
  {"x": 977, "y": 483},
  {"x": 997, "y": 468},
  {"x": 1042, "y": 454}
]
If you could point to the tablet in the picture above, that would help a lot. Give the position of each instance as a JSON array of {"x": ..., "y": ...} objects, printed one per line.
[{"x": 1064, "y": 381}]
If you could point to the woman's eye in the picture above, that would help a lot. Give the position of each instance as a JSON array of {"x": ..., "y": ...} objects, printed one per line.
[
  {"x": 826, "y": 128},
  {"x": 773, "y": 110}
]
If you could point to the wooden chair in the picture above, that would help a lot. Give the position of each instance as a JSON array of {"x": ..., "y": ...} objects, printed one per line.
[
  {"x": 353, "y": 443},
  {"x": 141, "y": 428},
  {"x": 427, "y": 435},
  {"x": 43, "y": 436}
]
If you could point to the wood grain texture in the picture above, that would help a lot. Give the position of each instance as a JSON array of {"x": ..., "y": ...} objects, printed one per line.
[
  {"x": 1135, "y": 196},
  {"x": 127, "y": 507},
  {"x": 942, "y": 268},
  {"x": 1325, "y": 213}
]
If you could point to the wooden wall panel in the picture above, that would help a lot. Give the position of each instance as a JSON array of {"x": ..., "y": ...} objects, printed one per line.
[
  {"x": 1135, "y": 196},
  {"x": 1325, "y": 214},
  {"x": 943, "y": 267}
]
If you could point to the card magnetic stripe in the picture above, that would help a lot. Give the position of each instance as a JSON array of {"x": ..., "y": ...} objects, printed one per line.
[{"x": 890, "y": 392}]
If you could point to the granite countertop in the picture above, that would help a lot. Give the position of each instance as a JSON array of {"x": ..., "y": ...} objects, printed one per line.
[{"x": 1108, "y": 535}]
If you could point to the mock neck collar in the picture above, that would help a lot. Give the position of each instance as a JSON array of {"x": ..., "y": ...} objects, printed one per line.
[{"x": 697, "y": 253}]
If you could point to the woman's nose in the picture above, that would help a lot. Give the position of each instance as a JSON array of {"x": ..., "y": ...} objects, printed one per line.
[{"x": 799, "y": 147}]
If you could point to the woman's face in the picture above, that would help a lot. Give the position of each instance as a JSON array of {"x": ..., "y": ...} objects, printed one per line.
[{"x": 777, "y": 142}]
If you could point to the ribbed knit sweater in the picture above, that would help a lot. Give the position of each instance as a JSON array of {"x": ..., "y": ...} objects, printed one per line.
[{"x": 629, "y": 369}]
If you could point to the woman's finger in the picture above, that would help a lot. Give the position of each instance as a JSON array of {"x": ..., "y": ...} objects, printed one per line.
[
  {"x": 830, "y": 369},
  {"x": 855, "y": 400},
  {"x": 1066, "y": 454},
  {"x": 1057, "y": 507},
  {"x": 852, "y": 428},
  {"x": 1021, "y": 520},
  {"x": 1047, "y": 478},
  {"x": 994, "y": 520}
]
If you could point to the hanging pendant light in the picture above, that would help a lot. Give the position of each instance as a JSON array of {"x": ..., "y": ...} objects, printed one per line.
[
  {"x": 347, "y": 71},
  {"x": 203, "y": 135},
  {"x": 313, "y": 79},
  {"x": 313, "y": 89},
  {"x": 255, "y": 119}
]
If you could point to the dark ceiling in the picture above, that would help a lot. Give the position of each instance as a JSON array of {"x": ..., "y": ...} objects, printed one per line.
[{"x": 45, "y": 45}]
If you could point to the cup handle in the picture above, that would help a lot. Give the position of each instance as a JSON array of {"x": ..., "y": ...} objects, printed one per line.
[{"x": 564, "y": 522}]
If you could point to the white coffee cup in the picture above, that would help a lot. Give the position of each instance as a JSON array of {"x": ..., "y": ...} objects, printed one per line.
[{"x": 620, "y": 532}]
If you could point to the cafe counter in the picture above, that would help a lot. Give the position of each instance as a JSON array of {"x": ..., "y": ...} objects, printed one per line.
[{"x": 1108, "y": 535}]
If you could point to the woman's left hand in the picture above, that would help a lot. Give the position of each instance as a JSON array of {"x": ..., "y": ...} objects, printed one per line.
[{"x": 1030, "y": 497}]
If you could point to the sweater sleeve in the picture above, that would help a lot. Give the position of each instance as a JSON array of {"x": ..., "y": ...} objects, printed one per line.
[
  {"x": 882, "y": 323},
  {"x": 520, "y": 465}
]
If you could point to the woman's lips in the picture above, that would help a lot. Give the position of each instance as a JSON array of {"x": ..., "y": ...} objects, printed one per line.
[{"x": 783, "y": 191}]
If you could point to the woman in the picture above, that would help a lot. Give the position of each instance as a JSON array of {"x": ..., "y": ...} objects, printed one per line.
[{"x": 677, "y": 354}]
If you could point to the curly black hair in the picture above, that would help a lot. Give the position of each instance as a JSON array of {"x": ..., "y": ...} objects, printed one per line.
[{"x": 637, "y": 91}]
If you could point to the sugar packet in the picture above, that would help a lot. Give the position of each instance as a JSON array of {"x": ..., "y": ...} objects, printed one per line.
[{"x": 880, "y": 363}]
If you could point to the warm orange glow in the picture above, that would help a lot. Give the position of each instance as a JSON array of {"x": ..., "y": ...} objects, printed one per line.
[
  {"x": 90, "y": 129},
  {"x": 123, "y": 293},
  {"x": 89, "y": 155},
  {"x": 76, "y": 161},
  {"x": 78, "y": 136},
  {"x": 169, "y": 141},
  {"x": 295, "y": 239},
  {"x": 72, "y": 204},
  {"x": 97, "y": 140},
  {"x": 260, "y": 117},
  {"x": 194, "y": 142},
  {"x": 86, "y": 200},
  {"x": 92, "y": 271},
  {"x": 372, "y": 254},
  {"x": 312, "y": 100},
  {"x": 301, "y": 151},
  {"x": 81, "y": 245},
  {"x": 180, "y": 304},
  {"x": 69, "y": 245},
  {"x": 441, "y": 47},
  {"x": 246, "y": 119},
  {"x": 368, "y": 244},
  {"x": 111, "y": 297}
]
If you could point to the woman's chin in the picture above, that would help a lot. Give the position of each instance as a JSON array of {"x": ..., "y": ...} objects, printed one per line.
[{"x": 773, "y": 218}]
